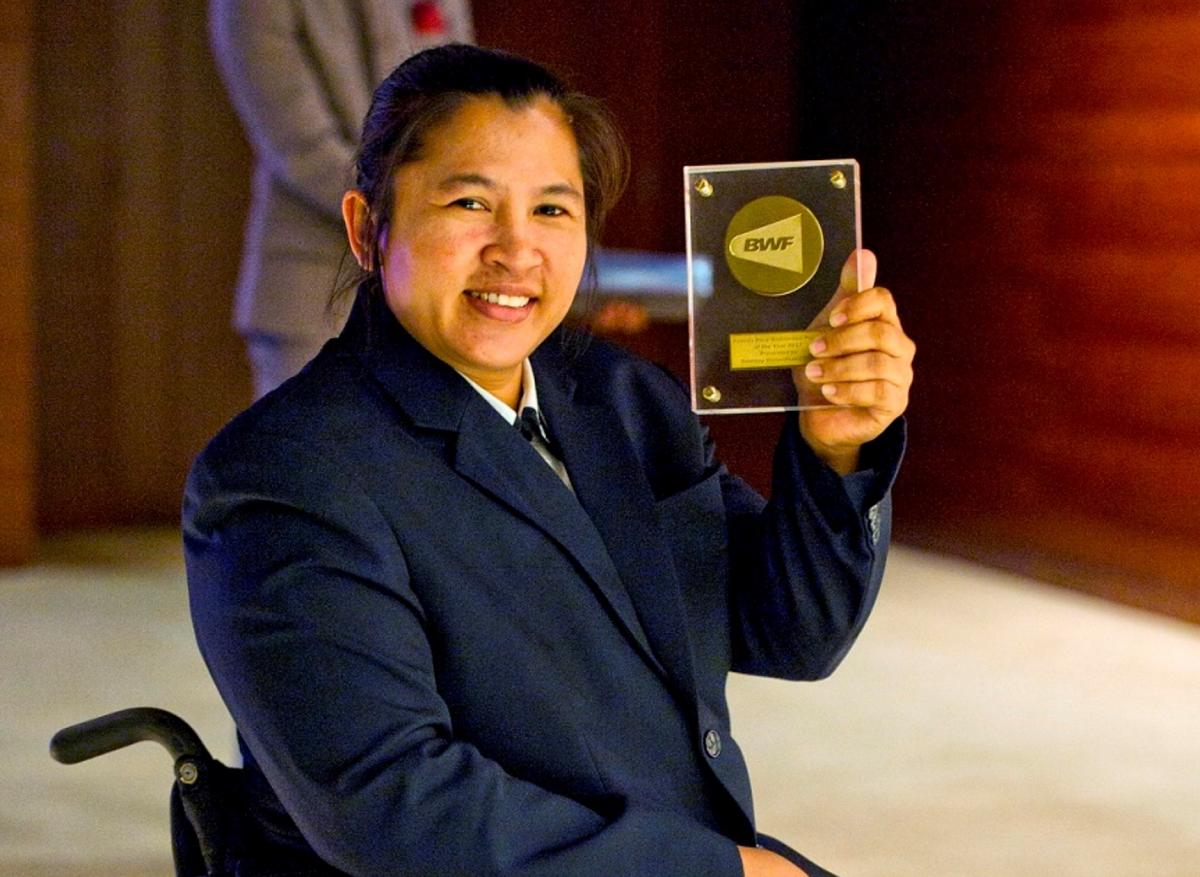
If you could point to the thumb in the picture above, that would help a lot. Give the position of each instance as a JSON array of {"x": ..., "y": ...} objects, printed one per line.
[{"x": 859, "y": 271}]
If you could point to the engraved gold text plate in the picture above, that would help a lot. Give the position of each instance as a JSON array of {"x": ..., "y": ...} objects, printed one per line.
[{"x": 774, "y": 238}]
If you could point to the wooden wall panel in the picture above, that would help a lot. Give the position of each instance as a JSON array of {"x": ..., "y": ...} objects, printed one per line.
[
  {"x": 1039, "y": 214},
  {"x": 16, "y": 321},
  {"x": 73, "y": 268},
  {"x": 209, "y": 376},
  {"x": 1131, "y": 296},
  {"x": 1108, "y": 59},
  {"x": 143, "y": 178},
  {"x": 143, "y": 243}
]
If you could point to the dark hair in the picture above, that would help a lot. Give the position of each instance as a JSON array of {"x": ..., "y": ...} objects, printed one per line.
[{"x": 431, "y": 86}]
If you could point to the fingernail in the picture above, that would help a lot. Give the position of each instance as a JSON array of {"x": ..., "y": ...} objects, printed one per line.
[
  {"x": 837, "y": 319},
  {"x": 813, "y": 370},
  {"x": 817, "y": 347},
  {"x": 829, "y": 390}
]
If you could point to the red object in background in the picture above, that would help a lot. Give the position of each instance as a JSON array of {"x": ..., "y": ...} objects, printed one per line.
[{"x": 427, "y": 19}]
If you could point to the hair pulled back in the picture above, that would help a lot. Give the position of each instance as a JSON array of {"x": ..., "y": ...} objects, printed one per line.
[{"x": 431, "y": 86}]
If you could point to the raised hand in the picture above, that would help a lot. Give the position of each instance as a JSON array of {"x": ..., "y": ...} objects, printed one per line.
[{"x": 862, "y": 363}]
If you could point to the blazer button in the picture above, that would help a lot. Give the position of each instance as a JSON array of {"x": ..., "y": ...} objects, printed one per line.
[{"x": 712, "y": 743}]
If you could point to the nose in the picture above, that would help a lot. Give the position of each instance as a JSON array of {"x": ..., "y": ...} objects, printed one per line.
[{"x": 513, "y": 245}]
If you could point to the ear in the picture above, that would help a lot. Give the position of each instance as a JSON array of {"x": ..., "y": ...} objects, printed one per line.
[{"x": 357, "y": 219}]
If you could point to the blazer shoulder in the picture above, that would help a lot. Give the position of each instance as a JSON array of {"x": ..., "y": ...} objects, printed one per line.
[
  {"x": 324, "y": 408},
  {"x": 651, "y": 407},
  {"x": 605, "y": 370}
]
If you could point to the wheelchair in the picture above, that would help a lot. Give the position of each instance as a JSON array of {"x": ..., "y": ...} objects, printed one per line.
[{"x": 206, "y": 798}]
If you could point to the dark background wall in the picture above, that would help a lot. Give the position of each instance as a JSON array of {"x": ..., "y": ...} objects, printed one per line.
[{"x": 1031, "y": 178}]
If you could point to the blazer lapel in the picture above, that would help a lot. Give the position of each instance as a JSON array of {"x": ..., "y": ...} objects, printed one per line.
[
  {"x": 609, "y": 484},
  {"x": 499, "y": 461}
]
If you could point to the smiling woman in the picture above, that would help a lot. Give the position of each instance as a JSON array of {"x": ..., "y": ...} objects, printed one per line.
[
  {"x": 487, "y": 240},
  {"x": 452, "y": 646}
]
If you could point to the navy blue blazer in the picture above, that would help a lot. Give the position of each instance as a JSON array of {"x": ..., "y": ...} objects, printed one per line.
[{"x": 442, "y": 661}]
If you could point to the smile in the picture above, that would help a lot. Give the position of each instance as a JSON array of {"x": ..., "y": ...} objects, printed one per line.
[{"x": 495, "y": 298}]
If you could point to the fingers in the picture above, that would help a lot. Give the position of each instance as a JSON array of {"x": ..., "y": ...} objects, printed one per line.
[
  {"x": 874, "y": 379},
  {"x": 864, "y": 359},
  {"x": 862, "y": 364},
  {"x": 864, "y": 322},
  {"x": 874, "y": 365},
  {"x": 859, "y": 337},
  {"x": 880, "y": 396},
  {"x": 859, "y": 264},
  {"x": 759, "y": 862},
  {"x": 874, "y": 303}
]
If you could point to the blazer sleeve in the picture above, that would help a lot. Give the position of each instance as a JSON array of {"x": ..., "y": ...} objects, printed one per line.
[
  {"x": 279, "y": 94},
  {"x": 806, "y": 569},
  {"x": 306, "y": 617}
]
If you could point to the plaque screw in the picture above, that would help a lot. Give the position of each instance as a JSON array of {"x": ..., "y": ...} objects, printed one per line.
[
  {"x": 838, "y": 179},
  {"x": 711, "y": 394},
  {"x": 704, "y": 187}
]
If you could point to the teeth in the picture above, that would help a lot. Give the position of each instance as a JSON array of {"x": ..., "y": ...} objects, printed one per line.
[{"x": 507, "y": 301}]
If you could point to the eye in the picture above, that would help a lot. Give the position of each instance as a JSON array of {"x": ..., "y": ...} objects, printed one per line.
[
  {"x": 551, "y": 210},
  {"x": 469, "y": 204}
]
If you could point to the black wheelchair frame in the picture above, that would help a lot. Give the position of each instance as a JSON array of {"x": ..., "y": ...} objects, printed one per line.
[{"x": 205, "y": 800}]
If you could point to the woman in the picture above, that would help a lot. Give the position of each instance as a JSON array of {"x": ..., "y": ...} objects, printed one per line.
[{"x": 455, "y": 647}]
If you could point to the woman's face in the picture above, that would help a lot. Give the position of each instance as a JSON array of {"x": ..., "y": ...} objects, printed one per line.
[{"x": 487, "y": 238}]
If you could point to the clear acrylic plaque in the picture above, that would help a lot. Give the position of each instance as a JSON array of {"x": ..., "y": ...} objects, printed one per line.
[{"x": 765, "y": 249}]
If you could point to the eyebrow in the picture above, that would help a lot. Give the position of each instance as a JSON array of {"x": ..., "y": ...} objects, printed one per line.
[{"x": 469, "y": 179}]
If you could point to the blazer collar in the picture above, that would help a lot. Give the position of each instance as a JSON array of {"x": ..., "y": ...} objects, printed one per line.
[{"x": 429, "y": 392}]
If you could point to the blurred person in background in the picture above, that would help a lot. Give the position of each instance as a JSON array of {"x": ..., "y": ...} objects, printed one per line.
[{"x": 300, "y": 74}]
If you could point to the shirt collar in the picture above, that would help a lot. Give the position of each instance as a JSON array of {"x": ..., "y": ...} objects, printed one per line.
[{"x": 528, "y": 394}]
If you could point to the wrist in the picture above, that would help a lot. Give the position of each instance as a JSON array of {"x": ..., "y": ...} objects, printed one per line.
[
  {"x": 843, "y": 463},
  {"x": 842, "y": 459}
]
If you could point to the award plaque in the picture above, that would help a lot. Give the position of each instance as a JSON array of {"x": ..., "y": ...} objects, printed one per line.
[{"x": 771, "y": 240}]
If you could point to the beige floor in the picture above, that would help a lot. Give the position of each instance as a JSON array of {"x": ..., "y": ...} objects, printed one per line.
[{"x": 984, "y": 725}]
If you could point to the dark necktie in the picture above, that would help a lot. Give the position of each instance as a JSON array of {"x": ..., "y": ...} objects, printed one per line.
[{"x": 531, "y": 425}]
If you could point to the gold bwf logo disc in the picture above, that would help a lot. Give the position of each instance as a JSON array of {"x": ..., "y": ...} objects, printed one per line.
[{"x": 774, "y": 245}]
